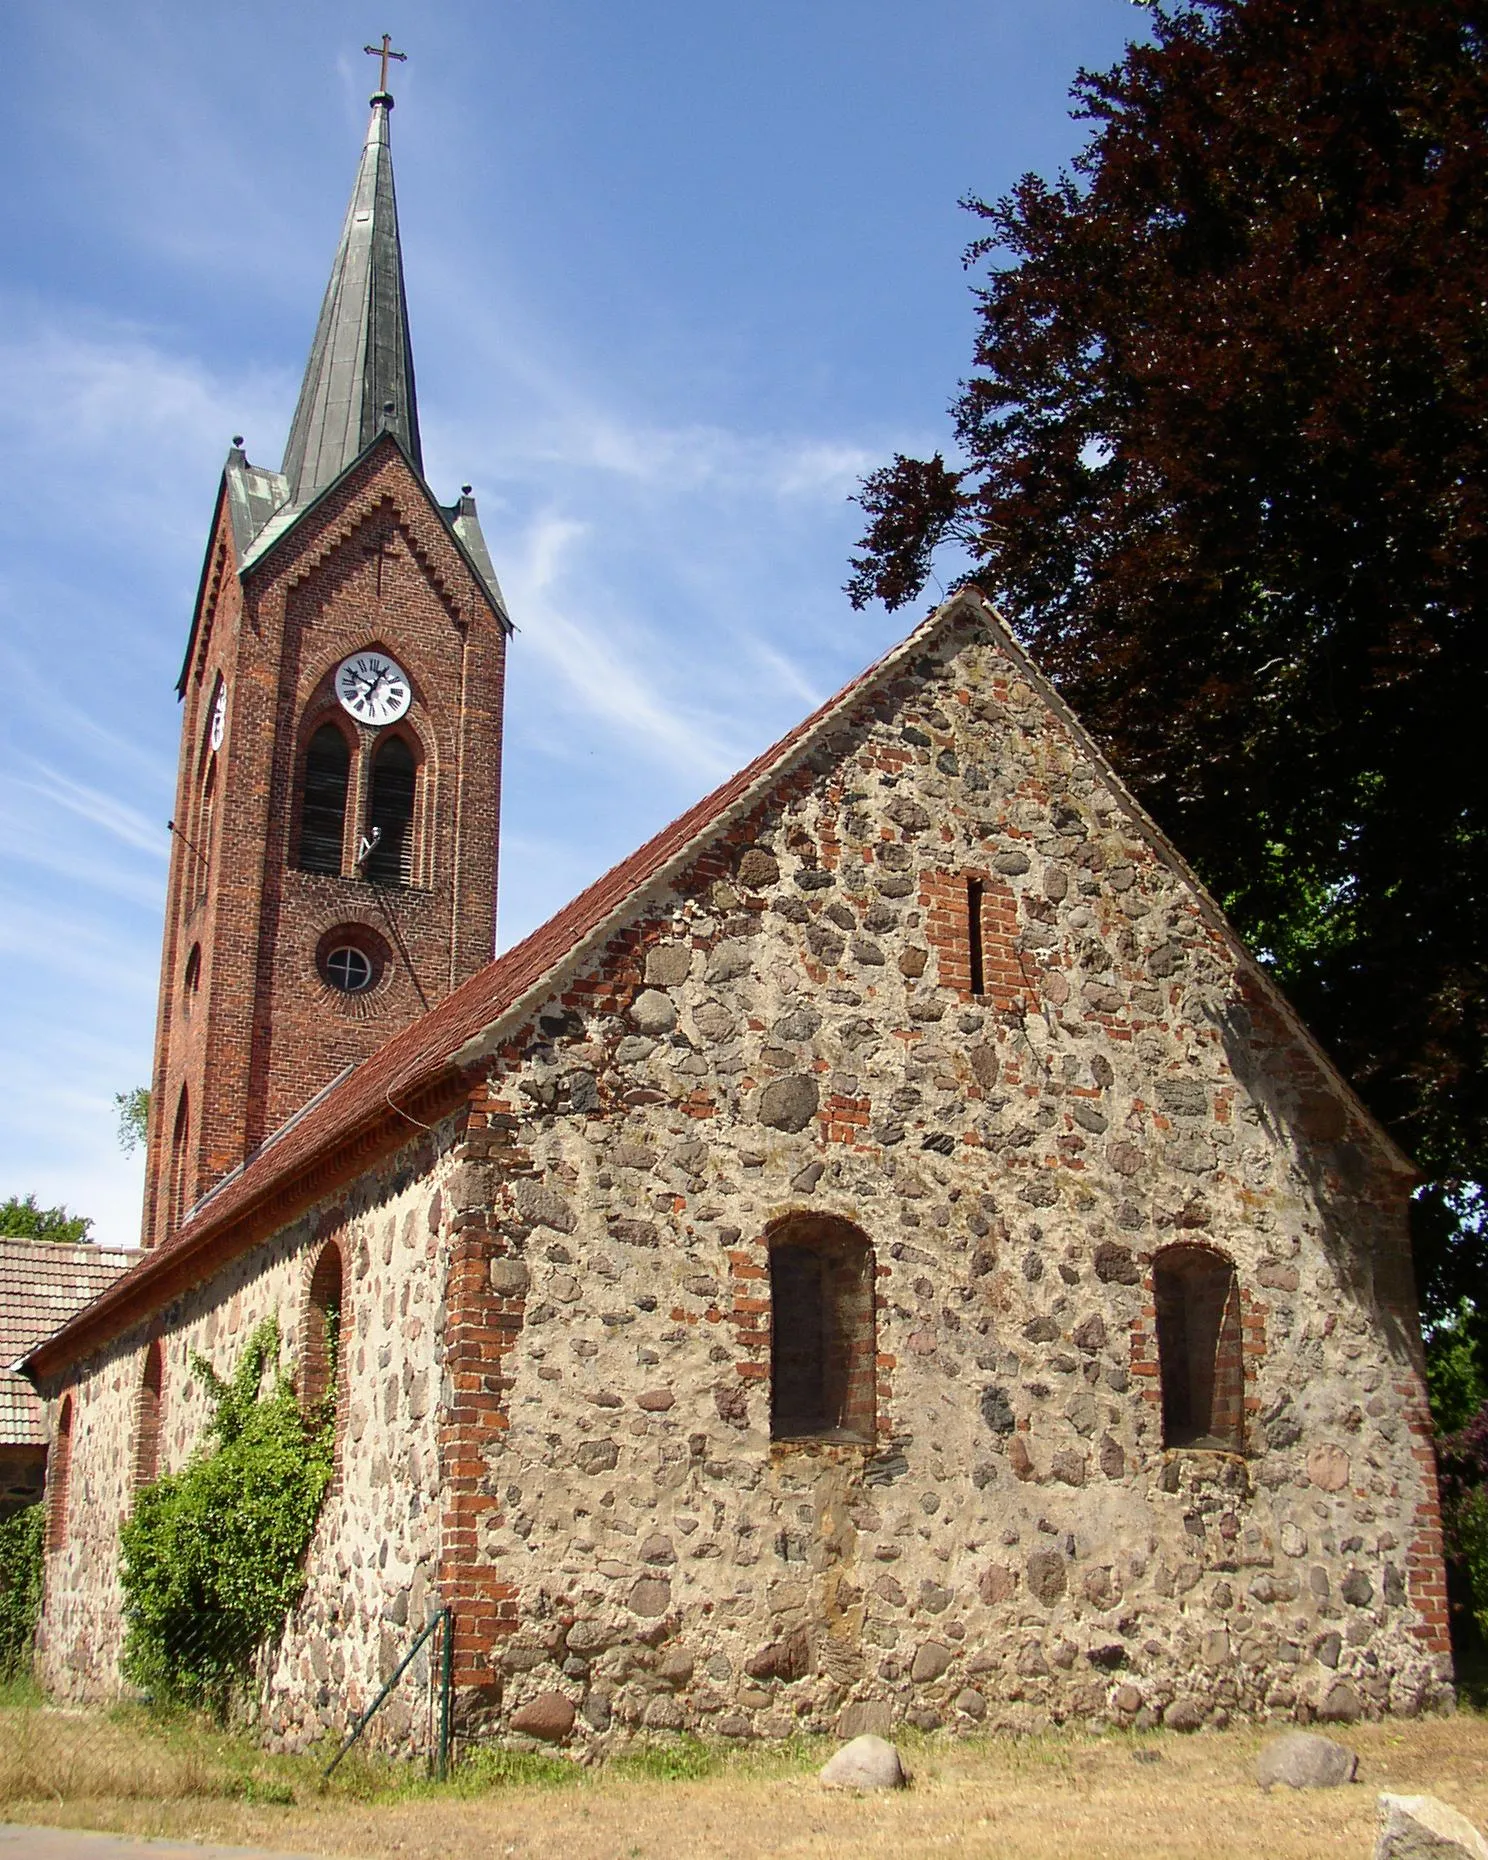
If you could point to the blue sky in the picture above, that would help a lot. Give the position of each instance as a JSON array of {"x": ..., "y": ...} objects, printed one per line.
[{"x": 677, "y": 276}]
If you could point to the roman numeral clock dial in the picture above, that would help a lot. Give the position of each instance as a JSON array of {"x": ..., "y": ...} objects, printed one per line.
[{"x": 373, "y": 688}]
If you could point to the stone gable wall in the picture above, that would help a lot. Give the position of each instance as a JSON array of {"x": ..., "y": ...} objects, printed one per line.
[
  {"x": 373, "y": 1564},
  {"x": 791, "y": 1028}
]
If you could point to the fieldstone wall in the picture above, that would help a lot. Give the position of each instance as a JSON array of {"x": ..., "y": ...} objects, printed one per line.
[
  {"x": 790, "y": 1027},
  {"x": 943, "y": 990},
  {"x": 372, "y": 1569}
]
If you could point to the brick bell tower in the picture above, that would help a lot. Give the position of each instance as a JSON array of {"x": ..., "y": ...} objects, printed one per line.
[{"x": 333, "y": 863}]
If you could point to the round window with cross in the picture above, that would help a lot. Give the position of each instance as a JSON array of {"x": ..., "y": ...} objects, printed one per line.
[
  {"x": 349, "y": 969},
  {"x": 351, "y": 959}
]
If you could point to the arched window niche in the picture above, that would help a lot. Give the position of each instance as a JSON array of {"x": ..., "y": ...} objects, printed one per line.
[
  {"x": 191, "y": 978},
  {"x": 1199, "y": 1353},
  {"x": 176, "y": 1181},
  {"x": 823, "y": 1354},
  {"x": 392, "y": 793},
  {"x": 320, "y": 1362},
  {"x": 324, "y": 789},
  {"x": 147, "y": 1442}
]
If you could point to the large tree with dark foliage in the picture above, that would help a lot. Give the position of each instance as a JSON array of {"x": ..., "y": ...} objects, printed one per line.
[{"x": 1226, "y": 472}]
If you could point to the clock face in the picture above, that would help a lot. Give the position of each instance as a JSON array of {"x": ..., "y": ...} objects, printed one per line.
[
  {"x": 373, "y": 687},
  {"x": 219, "y": 716}
]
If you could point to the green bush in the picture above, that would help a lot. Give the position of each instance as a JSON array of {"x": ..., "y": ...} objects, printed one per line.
[
  {"x": 22, "y": 1541},
  {"x": 213, "y": 1556}
]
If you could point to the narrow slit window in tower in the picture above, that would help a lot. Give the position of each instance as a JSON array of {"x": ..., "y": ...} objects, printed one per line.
[
  {"x": 176, "y": 1186},
  {"x": 323, "y": 810}
]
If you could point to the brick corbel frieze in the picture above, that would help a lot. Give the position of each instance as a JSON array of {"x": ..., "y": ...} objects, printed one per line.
[
  {"x": 485, "y": 1305},
  {"x": 370, "y": 495}
]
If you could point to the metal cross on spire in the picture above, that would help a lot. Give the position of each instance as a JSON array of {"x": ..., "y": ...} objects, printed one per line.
[{"x": 384, "y": 52}]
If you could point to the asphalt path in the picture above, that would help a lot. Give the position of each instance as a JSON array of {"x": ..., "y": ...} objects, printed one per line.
[{"x": 74, "y": 1844}]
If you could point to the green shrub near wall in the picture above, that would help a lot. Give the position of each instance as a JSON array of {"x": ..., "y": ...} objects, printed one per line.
[
  {"x": 22, "y": 1541},
  {"x": 214, "y": 1554}
]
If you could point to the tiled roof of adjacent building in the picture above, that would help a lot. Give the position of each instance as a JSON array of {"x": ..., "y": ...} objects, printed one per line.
[{"x": 43, "y": 1284}]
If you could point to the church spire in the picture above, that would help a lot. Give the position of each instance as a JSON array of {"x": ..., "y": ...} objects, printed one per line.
[{"x": 360, "y": 375}]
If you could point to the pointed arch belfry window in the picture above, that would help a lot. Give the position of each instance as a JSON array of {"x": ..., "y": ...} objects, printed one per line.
[
  {"x": 394, "y": 787},
  {"x": 206, "y": 812},
  {"x": 327, "y": 782}
]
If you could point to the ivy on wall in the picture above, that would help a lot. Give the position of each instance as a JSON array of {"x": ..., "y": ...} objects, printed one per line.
[
  {"x": 213, "y": 1555},
  {"x": 22, "y": 1540}
]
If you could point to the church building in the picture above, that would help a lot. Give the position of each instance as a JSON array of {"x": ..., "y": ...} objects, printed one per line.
[{"x": 883, "y": 1253}]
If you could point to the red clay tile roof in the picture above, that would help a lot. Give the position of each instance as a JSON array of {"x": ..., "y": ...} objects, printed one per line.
[
  {"x": 415, "y": 1058},
  {"x": 43, "y": 1284}
]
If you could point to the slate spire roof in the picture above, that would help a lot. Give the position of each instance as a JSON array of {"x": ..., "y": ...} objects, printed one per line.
[
  {"x": 358, "y": 387},
  {"x": 360, "y": 374}
]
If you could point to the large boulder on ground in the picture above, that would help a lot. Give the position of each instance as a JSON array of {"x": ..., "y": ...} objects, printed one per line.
[
  {"x": 1303, "y": 1760},
  {"x": 1419, "y": 1827},
  {"x": 865, "y": 1763}
]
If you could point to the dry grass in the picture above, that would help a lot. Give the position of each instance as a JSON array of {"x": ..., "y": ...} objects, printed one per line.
[
  {"x": 1115, "y": 1798},
  {"x": 73, "y": 1760}
]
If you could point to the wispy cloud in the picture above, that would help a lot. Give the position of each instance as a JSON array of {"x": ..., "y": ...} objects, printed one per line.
[
  {"x": 116, "y": 818},
  {"x": 88, "y": 949},
  {"x": 786, "y": 674},
  {"x": 606, "y": 682},
  {"x": 706, "y": 458},
  {"x": 125, "y": 410}
]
